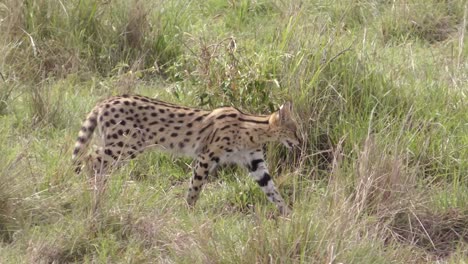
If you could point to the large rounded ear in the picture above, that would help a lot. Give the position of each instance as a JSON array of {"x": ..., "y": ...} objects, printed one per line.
[
  {"x": 289, "y": 105},
  {"x": 285, "y": 111}
]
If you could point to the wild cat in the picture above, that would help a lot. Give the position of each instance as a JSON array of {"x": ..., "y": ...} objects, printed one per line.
[{"x": 131, "y": 124}]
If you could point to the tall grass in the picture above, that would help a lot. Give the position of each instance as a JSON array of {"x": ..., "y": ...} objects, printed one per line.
[{"x": 379, "y": 89}]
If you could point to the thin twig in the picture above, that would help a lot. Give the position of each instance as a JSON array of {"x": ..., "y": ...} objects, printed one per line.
[{"x": 33, "y": 44}]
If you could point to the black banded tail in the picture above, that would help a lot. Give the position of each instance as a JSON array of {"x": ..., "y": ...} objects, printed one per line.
[{"x": 84, "y": 137}]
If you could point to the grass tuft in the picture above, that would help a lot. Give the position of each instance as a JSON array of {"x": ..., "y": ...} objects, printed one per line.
[{"x": 440, "y": 233}]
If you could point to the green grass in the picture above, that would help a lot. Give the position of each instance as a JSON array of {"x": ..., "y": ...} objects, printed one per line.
[{"x": 379, "y": 89}]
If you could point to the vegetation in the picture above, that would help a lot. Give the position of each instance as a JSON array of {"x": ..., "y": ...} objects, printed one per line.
[{"x": 379, "y": 87}]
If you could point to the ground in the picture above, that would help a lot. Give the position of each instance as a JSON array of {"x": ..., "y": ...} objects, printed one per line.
[{"x": 379, "y": 89}]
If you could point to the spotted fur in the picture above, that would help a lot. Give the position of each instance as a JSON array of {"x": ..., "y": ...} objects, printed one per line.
[{"x": 130, "y": 124}]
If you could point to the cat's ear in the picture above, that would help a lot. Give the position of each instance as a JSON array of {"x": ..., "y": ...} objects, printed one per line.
[{"x": 285, "y": 112}]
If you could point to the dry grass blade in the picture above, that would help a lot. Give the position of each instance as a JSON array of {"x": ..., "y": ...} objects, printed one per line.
[{"x": 439, "y": 233}]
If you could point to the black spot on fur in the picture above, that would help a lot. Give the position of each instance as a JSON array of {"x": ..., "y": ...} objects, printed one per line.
[
  {"x": 189, "y": 133},
  {"x": 198, "y": 119},
  {"x": 203, "y": 129},
  {"x": 181, "y": 115},
  {"x": 123, "y": 122},
  {"x": 93, "y": 121},
  {"x": 161, "y": 129},
  {"x": 162, "y": 140},
  {"x": 254, "y": 164},
  {"x": 120, "y": 144},
  {"x": 154, "y": 114},
  {"x": 198, "y": 177},
  {"x": 171, "y": 115},
  {"x": 264, "y": 180},
  {"x": 174, "y": 135},
  {"x": 162, "y": 111}
]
